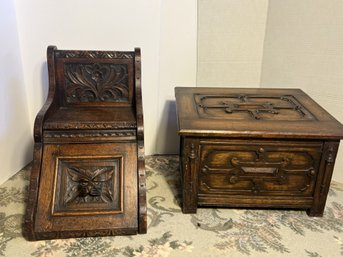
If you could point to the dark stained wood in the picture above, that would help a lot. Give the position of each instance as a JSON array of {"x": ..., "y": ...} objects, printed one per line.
[
  {"x": 142, "y": 212},
  {"x": 88, "y": 175},
  {"x": 196, "y": 119},
  {"x": 255, "y": 148},
  {"x": 85, "y": 118}
]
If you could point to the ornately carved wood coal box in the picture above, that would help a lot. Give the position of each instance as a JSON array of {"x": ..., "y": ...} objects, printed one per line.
[
  {"x": 88, "y": 175},
  {"x": 255, "y": 148}
]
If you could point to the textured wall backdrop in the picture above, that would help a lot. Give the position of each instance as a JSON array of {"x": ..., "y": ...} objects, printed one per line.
[
  {"x": 304, "y": 49},
  {"x": 275, "y": 43}
]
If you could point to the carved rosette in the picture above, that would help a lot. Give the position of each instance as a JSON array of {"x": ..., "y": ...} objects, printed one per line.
[{"x": 98, "y": 82}]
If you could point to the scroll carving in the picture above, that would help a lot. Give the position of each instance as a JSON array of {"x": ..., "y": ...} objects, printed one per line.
[
  {"x": 93, "y": 125},
  {"x": 75, "y": 234},
  {"x": 285, "y": 107},
  {"x": 260, "y": 172},
  {"x": 96, "y": 82},
  {"x": 57, "y": 134},
  {"x": 94, "y": 54}
]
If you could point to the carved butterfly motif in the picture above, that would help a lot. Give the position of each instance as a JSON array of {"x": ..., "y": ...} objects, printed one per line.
[{"x": 90, "y": 184}]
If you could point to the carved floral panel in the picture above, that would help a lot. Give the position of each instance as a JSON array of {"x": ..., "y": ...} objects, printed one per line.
[{"x": 96, "y": 82}]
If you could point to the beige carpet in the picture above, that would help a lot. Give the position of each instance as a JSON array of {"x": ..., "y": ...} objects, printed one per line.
[{"x": 211, "y": 232}]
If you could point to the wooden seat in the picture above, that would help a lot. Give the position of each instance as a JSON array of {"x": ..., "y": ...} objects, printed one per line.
[
  {"x": 88, "y": 175},
  {"x": 85, "y": 118}
]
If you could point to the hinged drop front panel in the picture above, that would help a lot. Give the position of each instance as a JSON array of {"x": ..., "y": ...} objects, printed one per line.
[{"x": 87, "y": 183}]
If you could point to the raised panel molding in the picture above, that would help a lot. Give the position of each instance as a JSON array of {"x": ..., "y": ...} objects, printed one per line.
[
  {"x": 259, "y": 171},
  {"x": 88, "y": 185},
  {"x": 256, "y": 107}
]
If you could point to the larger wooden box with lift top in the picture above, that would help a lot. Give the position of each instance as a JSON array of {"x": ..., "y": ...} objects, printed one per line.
[
  {"x": 88, "y": 176},
  {"x": 255, "y": 148}
]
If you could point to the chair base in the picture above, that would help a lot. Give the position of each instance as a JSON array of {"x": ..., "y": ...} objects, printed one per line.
[{"x": 87, "y": 189}]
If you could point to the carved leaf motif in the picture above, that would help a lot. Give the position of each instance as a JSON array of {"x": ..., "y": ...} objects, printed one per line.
[
  {"x": 90, "y": 185},
  {"x": 77, "y": 174},
  {"x": 96, "y": 82},
  {"x": 107, "y": 196},
  {"x": 107, "y": 174}
]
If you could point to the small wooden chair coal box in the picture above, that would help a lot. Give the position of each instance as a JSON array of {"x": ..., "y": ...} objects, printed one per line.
[{"x": 88, "y": 175}]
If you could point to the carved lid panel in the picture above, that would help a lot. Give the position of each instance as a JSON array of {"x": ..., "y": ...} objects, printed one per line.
[
  {"x": 247, "y": 106},
  {"x": 253, "y": 112}
]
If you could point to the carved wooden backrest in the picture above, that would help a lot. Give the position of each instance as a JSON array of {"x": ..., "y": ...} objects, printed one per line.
[{"x": 94, "y": 78}]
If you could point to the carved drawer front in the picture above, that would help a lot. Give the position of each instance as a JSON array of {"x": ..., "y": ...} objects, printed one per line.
[
  {"x": 259, "y": 167},
  {"x": 86, "y": 182}
]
